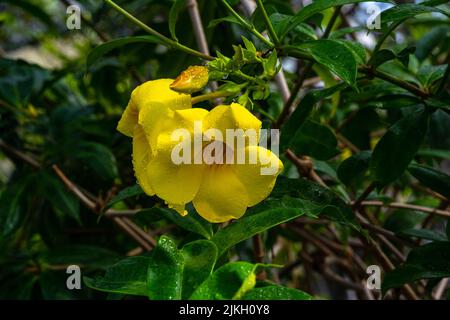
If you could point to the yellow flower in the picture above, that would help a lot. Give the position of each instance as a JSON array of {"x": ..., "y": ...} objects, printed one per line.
[
  {"x": 150, "y": 102},
  {"x": 219, "y": 192}
]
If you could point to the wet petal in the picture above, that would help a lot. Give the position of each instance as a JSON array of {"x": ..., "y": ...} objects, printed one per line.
[
  {"x": 176, "y": 184},
  {"x": 258, "y": 176},
  {"x": 232, "y": 116},
  {"x": 221, "y": 196},
  {"x": 142, "y": 155}
]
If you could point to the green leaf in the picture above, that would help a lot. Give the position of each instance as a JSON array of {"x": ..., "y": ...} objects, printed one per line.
[
  {"x": 128, "y": 276},
  {"x": 429, "y": 41},
  {"x": 177, "y": 7},
  {"x": 398, "y": 146},
  {"x": 230, "y": 281},
  {"x": 98, "y": 52},
  {"x": 59, "y": 196},
  {"x": 401, "y": 220},
  {"x": 405, "y": 11},
  {"x": 281, "y": 22},
  {"x": 13, "y": 207},
  {"x": 334, "y": 55},
  {"x": 126, "y": 193},
  {"x": 431, "y": 178},
  {"x": 199, "y": 260},
  {"x": 33, "y": 10},
  {"x": 429, "y": 261},
  {"x": 165, "y": 271},
  {"x": 354, "y": 168},
  {"x": 82, "y": 255},
  {"x": 382, "y": 56},
  {"x": 276, "y": 293},
  {"x": 358, "y": 50},
  {"x": 290, "y": 199},
  {"x": 315, "y": 140},
  {"x": 316, "y": 7},
  {"x": 97, "y": 157},
  {"x": 428, "y": 75},
  {"x": 323, "y": 199},
  {"x": 293, "y": 125},
  {"x": 191, "y": 222},
  {"x": 434, "y": 153},
  {"x": 424, "y": 234},
  {"x": 230, "y": 19}
]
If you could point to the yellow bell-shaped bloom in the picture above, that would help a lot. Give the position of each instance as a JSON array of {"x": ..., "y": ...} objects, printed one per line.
[{"x": 219, "y": 191}]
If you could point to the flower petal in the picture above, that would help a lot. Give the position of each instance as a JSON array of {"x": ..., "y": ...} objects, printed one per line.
[
  {"x": 176, "y": 184},
  {"x": 158, "y": 91},
  {"x": 142, "y": 155},
  {"x": 258, "y": 176},
  {"x": 150, "y": 95},
  {"x": 128, "y": 120},
  {"x": 232, "y": 116},
  {"x": 221, "y": 196}
]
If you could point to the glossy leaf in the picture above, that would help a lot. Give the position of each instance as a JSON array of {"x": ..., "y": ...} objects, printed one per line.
[
  {"x": 316, "y": 7},
  {"x": 126, "y": 193},
  {"x": 387, "y": 162},
  {"x": 295, "y": 122},
  {"x": 315, "y": 140},
  {"x": 230, "y": 281},
  {"x": 165, "y": 271},
  {"x": 291, "y": 198},
  {"x": 334, "y": 55},
  {"x": 177, "y": 7},
  {"x": 354, "y": 168},
  {"x": 199, "y": 260},
  {"x": 429, "y": 261},
  {"x": 12, "y": 207},
  {"x": 431, "y": 178},
  {"x": 405, "y": 11},
  {"x": 276, "y": 293},
  {"x": 128, "y": 276}
]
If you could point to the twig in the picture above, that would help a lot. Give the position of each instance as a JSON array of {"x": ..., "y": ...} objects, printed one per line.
[
  {"x": 363, "y": 196},
  {"x": 398, "y": 205},
  {"x": 144, "y": 239},
  {"x": 305, "y": 167},
  {"x": 440, "y": 289},
  {"x": 346, "y": 142},
  {"x": 371, "y": 72},
  {"x": 13, "y": 152}
]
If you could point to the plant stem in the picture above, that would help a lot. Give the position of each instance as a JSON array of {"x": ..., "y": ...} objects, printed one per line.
[
  {"x": 164, "y": 39},
  {"x": 247, "y": 25},
  {"x": 270, "y": 29},
  {"x": 210, "y": 96},
  {"x": 387, "y": 77}
]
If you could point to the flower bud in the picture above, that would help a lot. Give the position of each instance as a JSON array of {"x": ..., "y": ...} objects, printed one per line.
[{"x": 191, "y": 80}]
